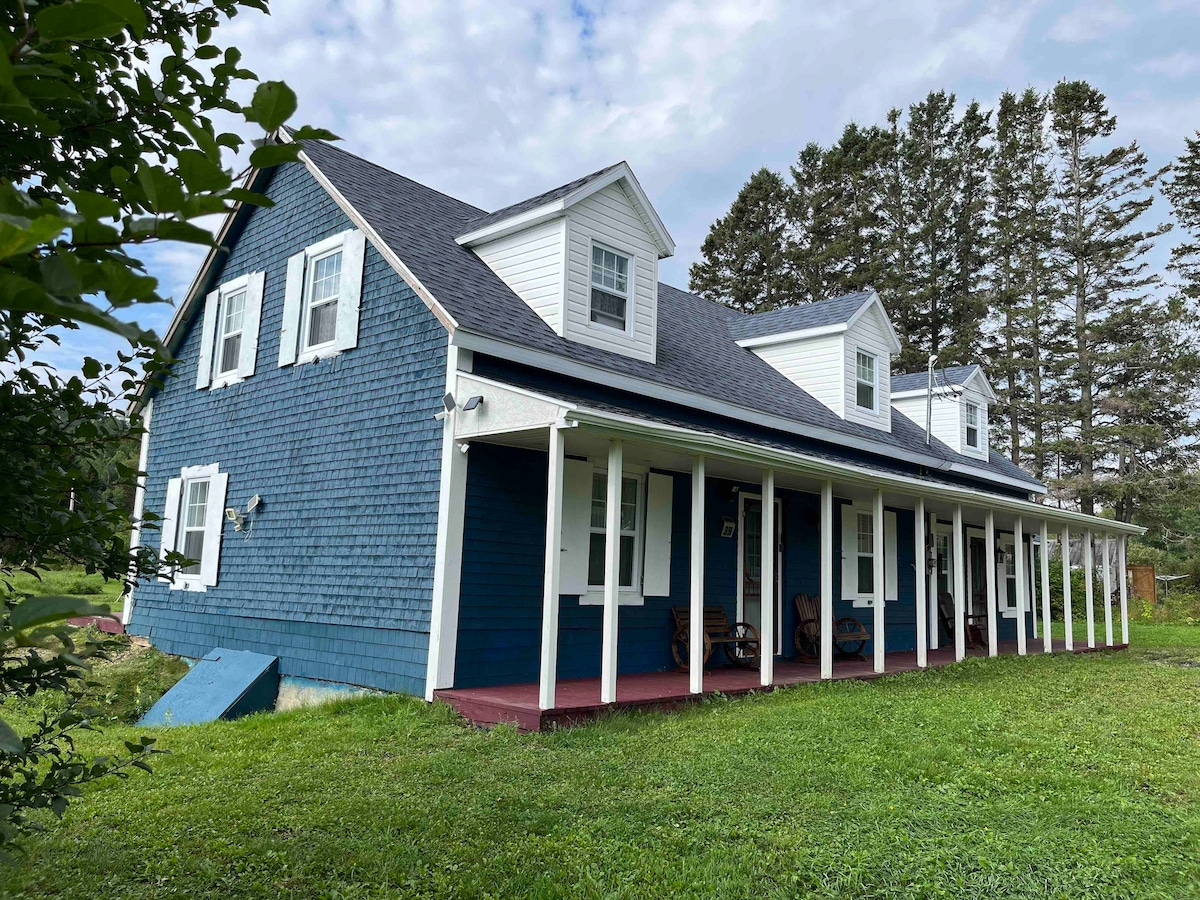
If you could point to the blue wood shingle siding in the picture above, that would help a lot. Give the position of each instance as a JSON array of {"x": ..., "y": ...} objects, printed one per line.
[
  {"x": 335, "y": 577},
  {"x": 500, "y": 607}
]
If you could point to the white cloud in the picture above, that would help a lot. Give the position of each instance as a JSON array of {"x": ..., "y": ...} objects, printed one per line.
[
  {"x": 1088, "y": 22},
  {"x": 1177, "y": 65}
]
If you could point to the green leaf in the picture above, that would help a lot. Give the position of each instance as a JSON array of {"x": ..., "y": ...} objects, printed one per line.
[
  {"x": 309, "y": 133},
  {"x": 94, "y": 206},
  {"x": 241, "y": 195},
  {"x": 19, "y": 236},
  {"x": 91, "y": 368},
  {"x": 200, "y": 173},
  {"x": 34, "y": 611},
  {"x": 174, "y": 230},
  {"x": 273, "y": 104},
  {"x": 207, "y": 51},
  {"x": 79, "y": 21},
  {"x": 274, "y": 154},
  {"x": 10, "y": 741},
  {"x": 163, "y": 190},
  {"x": 131, "y": 11}
]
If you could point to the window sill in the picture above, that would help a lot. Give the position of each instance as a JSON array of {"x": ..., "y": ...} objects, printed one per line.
[
  {"x": 316, "y": 353},
  {"x": 225, "y": 381},
  {"x": 865, "y": 602},
  {"x": 625, "y": 598},
  {"x": 190, "y": 583}
]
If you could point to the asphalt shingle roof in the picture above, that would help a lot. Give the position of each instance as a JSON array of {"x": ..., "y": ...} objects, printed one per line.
[
  {"x": 833, "y": 311},
  {"x": 534, "y": 202},
  {"x": 695, "y": 352},
  {"x": 919, "y": 381}
]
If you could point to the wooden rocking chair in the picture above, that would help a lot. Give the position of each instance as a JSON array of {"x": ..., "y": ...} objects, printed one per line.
[
  {"x": 946, "y": 618},
  {"x": 850, "y": 636},
  {"x": 740, "y": 639}
]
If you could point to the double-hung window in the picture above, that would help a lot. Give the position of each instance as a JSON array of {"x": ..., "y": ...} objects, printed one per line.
[
  {"x": 321, "y": 296},
  {"x": 860, "y": 529},
  {"x": 610, "y": 288},
  {"x": 631, "y": 504},
  {"x": 866, "y": 381},
  {"x": 191, "y": 525},
  {"x": 229, "y": 332},
  {"x": 973, "y": 426},
  {"x": 321, "y": 299},
  {"x": 865, "y": 549}
]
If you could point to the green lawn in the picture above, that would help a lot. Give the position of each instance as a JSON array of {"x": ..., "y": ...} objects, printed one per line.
[
  {"x": 71, "y": 582},
  {"x": 1071, "y": 776}
]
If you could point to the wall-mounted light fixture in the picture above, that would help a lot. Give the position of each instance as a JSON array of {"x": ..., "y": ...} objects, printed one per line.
[{"x": 728, "y": 526}]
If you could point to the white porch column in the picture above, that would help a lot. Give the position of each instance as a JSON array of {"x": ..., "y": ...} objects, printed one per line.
[
  {"x": 696, "y": 624},
  {"x": 1107, "y": 582},
  {"x": 935, "y": 638},
  {"x": 612, "y": 572},
  {"x": 139, "y": 508},
  {"x": 1123, "y": 575},
  {"x": 1033, "y": 587},
  {"x": 827, "y": 579},
  {"x": 548, "y": 677},
  {"x": 447, "y": 564},
  {"x": 1064, "y": 541},
  {"x": 989, "y": 565},
  {"x": 766, "y": 649},
  {"x": 1088, "y": 578},
  {"x": 1022, "y": 575},
  {"x": 960, "y": 587},
  {"x": 1047, "y": 634},
  {"x": 922, "y": 583},
  {"x": 879, "y": 642}
]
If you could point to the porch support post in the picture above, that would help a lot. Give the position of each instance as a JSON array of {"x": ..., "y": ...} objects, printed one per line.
[
  {"x": 1047, "y": 635},
  {"x": 548, "y": 676},
  {"x": 922, "y": 583},
  {"x": 612, "y": 572},
  {"x": 827, "y": 580},
  {"x": 960, "y": 587},
  {"x": 1123, "y": 575},
  {"x": 1033, "y": 586},
  {"x": 1106, "y": 559},
  {"x": 696, "y": 623},
  {"x": 932, "y": 590},
  {"x": 879, "y": 641},
  {"x": 766, "y": 648},
  {"x": 1088, "y": 578},
  {"x": 989, "y": 566},
  {"x": 1064, "y": 542},
  {"x": 1022, "y": 575}
]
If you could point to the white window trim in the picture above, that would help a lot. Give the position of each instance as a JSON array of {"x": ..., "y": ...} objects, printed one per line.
[
  {"x": 187, "y": 475},
  {"x": 874, "y": 357},
  {"x": 633, "y": 595},
  {"x": 890, "y": 567},
  {"x": 969, "y": 405},
  {"x": 630, "y": 287},
  {"x": 223, "y": 293},
  {"x": 1007, "y": 543},
  {"x": 312, "y": 254}
]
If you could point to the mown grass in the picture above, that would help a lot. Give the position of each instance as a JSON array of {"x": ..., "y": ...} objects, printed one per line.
[
  {"x": 70, "y": 582},
  {"x": 1067, "y": 776}
]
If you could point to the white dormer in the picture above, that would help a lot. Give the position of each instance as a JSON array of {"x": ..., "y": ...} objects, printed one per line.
[
  {"x": 584, "y": 257},
  {"x": 959, "y": 409},
  {"x": 838, "y": 350}
]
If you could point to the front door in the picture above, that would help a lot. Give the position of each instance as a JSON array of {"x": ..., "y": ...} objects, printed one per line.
[
  {"x": 750, "y": 592},
  {"x": 977, "y": 566}
]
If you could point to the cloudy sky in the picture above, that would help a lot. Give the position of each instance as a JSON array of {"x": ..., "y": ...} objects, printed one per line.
[{"x": 494, "y": 101}]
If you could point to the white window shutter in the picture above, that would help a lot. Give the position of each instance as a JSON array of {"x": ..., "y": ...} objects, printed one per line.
[
  {"x": 168, "y": 525},
  {"x": 656, "y": 565},
  {"x": 214, "y": 518},
  {"x": 293, "y": 297},
  {"x": 890, "y": 573},
  {"x": 353, "y": 255},
  {"x": 576, "y": 527},
  {"x": 849, "y": 552},
  {"x": 208, "y": 337},
  {"x": 250, "y": 322}
]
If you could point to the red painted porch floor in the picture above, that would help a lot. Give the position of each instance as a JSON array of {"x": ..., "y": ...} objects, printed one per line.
[{"x": 578, "y": 699}]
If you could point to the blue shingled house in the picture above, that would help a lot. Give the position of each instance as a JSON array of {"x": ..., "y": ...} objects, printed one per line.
[{"x": 416, "y": 446}]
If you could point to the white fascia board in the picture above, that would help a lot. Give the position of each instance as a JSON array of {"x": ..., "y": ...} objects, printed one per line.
[
  {"x": 984, "y": 386},
  {"x": 622, "y": 172},
  {"x": 787, "y": 337},
  {"x": 683, "y": 438},
  {"x": 955, "y": 389},
  {"x": 572, "y": 369},
  {"x": 874, "y": 301},
  {"x": 519, "y": 222}
]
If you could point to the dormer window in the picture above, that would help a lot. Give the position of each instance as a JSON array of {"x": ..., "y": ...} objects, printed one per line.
[
  {"x": 867, "y": 377},
  {"x": 610, "y": 288},
  {"x": 973, "y": 426}
]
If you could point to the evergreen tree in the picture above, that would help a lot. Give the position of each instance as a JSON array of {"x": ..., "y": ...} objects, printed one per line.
[
  {"x": 1100, "y": 256},
  {"x": 854, "y": 172},
  {"x": 895, "y": 277},
  {"x": 746, "y": 261},
  {"x": 967, "y": 304},
  {"x": 1183, "y": 190},
  {"x": 813, "y": 227}
]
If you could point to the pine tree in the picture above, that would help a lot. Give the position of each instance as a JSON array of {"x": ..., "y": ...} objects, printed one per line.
[
  {"x": 895, "y": 279},
  {"x": 746, "y": 261},
  {"x": 1100, "y": 257},
  {"x": 1183, "y": 190},
  {"x": 853, "y": 173},
  {"x": 813, "y": 227},
  {"x": 967, "y": 304}
]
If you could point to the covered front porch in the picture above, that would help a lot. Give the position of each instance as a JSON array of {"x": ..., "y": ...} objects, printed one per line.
[{"x": 565, "y": 590}]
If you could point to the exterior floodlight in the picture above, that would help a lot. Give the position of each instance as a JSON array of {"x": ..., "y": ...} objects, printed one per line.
[{"x": 473, "y": 403}]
